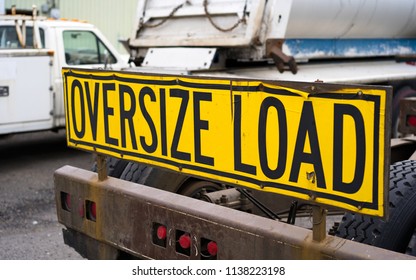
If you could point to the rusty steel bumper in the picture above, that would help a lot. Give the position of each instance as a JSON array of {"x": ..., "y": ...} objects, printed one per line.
[{"x": 124, "y": 219}]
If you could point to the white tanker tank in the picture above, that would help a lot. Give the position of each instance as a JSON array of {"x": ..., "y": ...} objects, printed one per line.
[
  {"x": 351, "y": 19},
  {"x": 343, "y": 28}
]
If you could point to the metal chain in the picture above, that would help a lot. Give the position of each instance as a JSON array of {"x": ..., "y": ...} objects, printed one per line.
[{"x": 241, "y": 20}]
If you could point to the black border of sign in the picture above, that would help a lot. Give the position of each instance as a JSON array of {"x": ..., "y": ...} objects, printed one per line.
[{"x": 175, "y": 81}]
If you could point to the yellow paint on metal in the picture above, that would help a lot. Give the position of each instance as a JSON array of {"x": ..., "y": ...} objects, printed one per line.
[{"x": 328, "y": 147}]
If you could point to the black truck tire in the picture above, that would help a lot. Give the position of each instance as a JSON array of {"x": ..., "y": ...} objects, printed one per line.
[
  {"x": 134, "y": 172},
  {"x": 398, "y": 232}
]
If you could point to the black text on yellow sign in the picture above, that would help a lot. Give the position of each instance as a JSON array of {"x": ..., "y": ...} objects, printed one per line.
[{"x": 329, "y": 147}]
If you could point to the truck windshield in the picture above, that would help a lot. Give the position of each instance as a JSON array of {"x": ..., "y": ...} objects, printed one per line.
[
  {"x": 84, "y": 47},
  {"x": 9, "y": 39}
]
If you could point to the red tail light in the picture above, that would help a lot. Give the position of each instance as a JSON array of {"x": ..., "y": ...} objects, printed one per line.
[
  {"x": 411, "y": 120},
  {"x": 212, "y": 248},
  {"x": 161, "y": 232},
  {"x": 185, "y": 241}
]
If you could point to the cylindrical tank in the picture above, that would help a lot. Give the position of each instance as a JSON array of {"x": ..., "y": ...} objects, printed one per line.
[{"x": 352, "y": 19}]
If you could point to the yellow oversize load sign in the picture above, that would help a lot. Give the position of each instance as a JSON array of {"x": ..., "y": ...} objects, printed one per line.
[{"x": 327, "y": 143}]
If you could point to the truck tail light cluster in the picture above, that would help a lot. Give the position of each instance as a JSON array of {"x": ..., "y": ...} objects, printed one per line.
[
  {"x": 85, "y": 208},
  {"x": 407, "y": 116},
  {"x": 184, "y": 242}
]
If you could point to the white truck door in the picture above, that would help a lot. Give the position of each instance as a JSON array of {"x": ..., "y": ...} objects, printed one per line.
[{"x": 25, "y": 97}]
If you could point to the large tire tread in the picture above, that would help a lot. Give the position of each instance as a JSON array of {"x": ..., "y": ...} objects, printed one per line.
[
  {"x": 396, "y": 232},
  {"x": 134, "y": 172}
]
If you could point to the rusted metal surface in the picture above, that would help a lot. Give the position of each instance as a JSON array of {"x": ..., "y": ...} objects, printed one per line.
[
  {"x": 319, "y": 223},
  {"x": 274, "y": 50},
  {"x": 126, "y": 215},
  {"x": 89, "y": 247},
  {"x": 101, "y": 167}
]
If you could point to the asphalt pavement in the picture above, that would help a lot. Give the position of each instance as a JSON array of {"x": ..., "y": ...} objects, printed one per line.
[{"x": 29, "y": 229}]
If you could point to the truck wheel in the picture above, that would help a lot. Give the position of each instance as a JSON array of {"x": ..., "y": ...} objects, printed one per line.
[
  {"x": 194, "y": 188},
  {"x": 398, "y": 233},
  {"x": 158, "y": 178}
]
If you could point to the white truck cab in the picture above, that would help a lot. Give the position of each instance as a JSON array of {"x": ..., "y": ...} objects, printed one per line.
[{"x": 33, "y": 51}]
